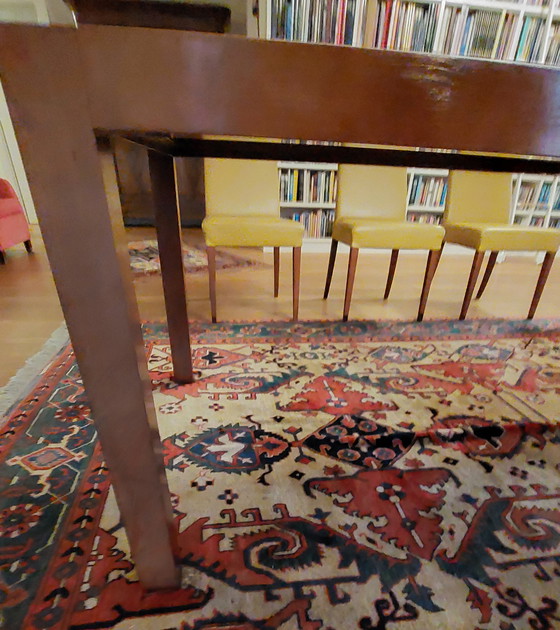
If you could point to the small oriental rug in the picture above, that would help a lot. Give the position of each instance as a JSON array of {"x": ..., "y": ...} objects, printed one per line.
[
  {"x": 324, "y": 476},
  {"x": 144, "y": 258}
]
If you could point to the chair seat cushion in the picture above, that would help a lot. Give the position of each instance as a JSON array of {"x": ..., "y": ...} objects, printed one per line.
[
  {"x": 499, "y": 236},
  {"x": 387, "y": 234},
  {"x": 251, "y": 231}
]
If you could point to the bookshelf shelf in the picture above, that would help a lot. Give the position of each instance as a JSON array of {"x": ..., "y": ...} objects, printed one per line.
[
  {"x": 312, "y": 205},
  {"x": 432, "y": 209},
  {"x": 308, "y": 195}
]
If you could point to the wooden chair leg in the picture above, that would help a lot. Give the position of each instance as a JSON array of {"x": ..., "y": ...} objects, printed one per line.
[
  {"x": 211, "y": 254},
  {"x": 28, "y": 246},
  {"x": 487, "y": 274},
  {"x": 332, "y": 259},
  {"x": 433, "y": 259},
  {"x": 543, "y": 277},
  {"x": 352, "y": 262},
  {"x": 296, "y": 270},
  {"x": 2, "y": 258},
  {"x": 276, "y": 270},
  {"x": 392, "y": 267},
  {"x": 475, "y": 270}
]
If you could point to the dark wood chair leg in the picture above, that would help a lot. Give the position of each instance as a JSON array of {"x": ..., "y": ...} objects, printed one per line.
[
  {"x": 433, "y": 259},
  {"x": 28, "y": 246},
  {"x": 168, "y": 231},
  {"x": 543, "y": 277},
  {"x": 330, "y": 269},
  {"x": 2, "y": 258},
  {"x": 392, "y": 267},
  {"x": 487, "y": 274},
  {"x": 296, "y": 271},
  {"x": 211, "y": 254},
  {"x": 475, "y": 270},
  {"x": 352, "y": 262},
  {"x": 276, "y": 270}
]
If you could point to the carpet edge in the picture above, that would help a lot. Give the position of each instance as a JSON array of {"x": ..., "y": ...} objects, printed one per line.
[{"x": 31, "y": 371}]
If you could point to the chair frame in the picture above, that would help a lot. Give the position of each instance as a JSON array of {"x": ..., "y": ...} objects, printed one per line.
[
  {"x": 296, "y": 274},
  {"x": 434, "y": 256},
  {"x": 478, "y": 259}
]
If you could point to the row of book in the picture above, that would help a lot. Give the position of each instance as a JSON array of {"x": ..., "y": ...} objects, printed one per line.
[
  {"x": 472, "y": 33},
  {"x": 307, "y": 186},
  {"x": 531, "y": 39},
  {"x": 424, "y": 217},
  {"x": 317, "y": 223},
  {"x": 327, "y": 21},
  {"x": 406, "y": 26},
  {"x": 427, "y": 190},
  {"x": 553, "y": 52},
  {"x": 533, "y": 195}
]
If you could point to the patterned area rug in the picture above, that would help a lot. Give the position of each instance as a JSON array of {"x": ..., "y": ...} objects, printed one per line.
[
  {"x": 325, "y": 476},
  {"x": 144, "y": 258}
]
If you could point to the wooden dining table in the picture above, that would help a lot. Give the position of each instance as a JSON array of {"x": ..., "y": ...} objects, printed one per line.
[{"x": 71, "y": 92}]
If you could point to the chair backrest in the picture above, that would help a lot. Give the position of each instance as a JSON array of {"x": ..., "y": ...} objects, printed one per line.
[
  {"x": 241, "y": 187},
  {"x": 371, "y": 191},
  {"x": 478, "y": 197}
]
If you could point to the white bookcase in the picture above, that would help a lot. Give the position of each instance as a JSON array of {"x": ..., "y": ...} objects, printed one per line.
[
  {"x": 522, "y": 31},
  {"x": 525, "y": 31},
  {"x": 427, "y": 188},
  {"x": 536, "y": 200},
  {"x": 307, "y": 193}
]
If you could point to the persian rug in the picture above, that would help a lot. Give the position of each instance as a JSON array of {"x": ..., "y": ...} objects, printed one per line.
[
  {"x": 325, "y": 476},
  {"x": 144, "y": 258}
]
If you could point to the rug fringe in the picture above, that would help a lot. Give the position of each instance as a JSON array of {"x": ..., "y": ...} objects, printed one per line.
[{"x": 31, "y": 371}]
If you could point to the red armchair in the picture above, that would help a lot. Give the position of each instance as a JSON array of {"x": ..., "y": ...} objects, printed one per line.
[{"x": 13, "y": 223}]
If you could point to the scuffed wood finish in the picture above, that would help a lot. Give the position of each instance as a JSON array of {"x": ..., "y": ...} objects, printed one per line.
[
  {"x": 236, "y": 86},
  {"x": 43, "y": 80}
]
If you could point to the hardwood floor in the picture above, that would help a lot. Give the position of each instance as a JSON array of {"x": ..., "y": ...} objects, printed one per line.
[{"x": 29, "y": 309}]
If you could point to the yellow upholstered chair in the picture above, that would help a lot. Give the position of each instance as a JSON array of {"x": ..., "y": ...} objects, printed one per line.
[
  {"x": 477, "y": 216},
  {"x": 371, "y": 213},
  {"x": 242, "y": 210}
]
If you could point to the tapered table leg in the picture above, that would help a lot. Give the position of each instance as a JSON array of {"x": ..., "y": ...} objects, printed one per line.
[
  {"x": 94, "y": 283},
  {"x": 168, "y": 227}
]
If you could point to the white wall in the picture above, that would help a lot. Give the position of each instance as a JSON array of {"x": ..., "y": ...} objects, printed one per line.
[{"x": 11, "y": 165}]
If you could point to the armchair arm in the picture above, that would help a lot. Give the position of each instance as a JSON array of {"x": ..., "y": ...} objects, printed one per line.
[{"x": 6, "y": 190}]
